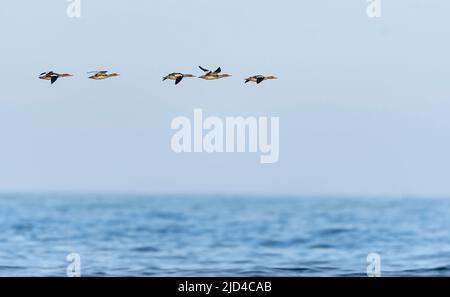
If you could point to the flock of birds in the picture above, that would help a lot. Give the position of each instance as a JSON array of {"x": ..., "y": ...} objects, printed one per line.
[{"x": 177, "y": 77}]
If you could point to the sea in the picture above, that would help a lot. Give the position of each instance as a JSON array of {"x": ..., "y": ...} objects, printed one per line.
[{"x": 137, "y": 235}]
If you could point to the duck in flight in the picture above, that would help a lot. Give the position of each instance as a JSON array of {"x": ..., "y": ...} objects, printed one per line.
[
  {"x": 177, "y": 77},
  {"x": 259, "y": 78},
  {"x": 52, "y": 76},
  {"x": 212, "y": 75},
  {"x": 99, "y": 75}
]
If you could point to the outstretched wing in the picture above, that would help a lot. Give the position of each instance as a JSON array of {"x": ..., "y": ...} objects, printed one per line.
[
  {"x": 218, "y": 70},
  {"x": 259, "y": 80},
  {"x": 178, "y": 80},
  {"x": 53, "y": 79},
  {"x": 203, "y": 69}
]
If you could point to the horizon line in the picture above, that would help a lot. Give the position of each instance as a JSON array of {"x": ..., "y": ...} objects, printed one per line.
[{"x": 226, "y": 194}]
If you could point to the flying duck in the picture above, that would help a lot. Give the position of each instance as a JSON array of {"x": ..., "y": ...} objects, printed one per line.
[
  {"x": 99, "y": 75},
  {"x": 259, "y": 78},
  {"x": 177, "y": 77},
  {"x": 52, "y": 76},
  {"x": 212, "y": 75}
]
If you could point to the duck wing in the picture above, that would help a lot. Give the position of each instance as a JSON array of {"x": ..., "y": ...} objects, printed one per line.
[
  {"x": 178, "y": 80},
  {"x": 218, "y": 70},
  {"x": 53, "y": 79},
  {"x": 203, "y": 69},
  {"x": 259, "y": 80}
]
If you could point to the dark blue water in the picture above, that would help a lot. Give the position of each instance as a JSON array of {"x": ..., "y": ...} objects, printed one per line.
[{"x": 126, "y": 235}]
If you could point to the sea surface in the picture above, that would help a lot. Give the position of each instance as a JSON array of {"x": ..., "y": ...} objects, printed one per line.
[{"x": 138, "y": 235}]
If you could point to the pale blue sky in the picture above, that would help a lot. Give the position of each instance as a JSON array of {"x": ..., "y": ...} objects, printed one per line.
[{"x": 363, "y": 103}]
